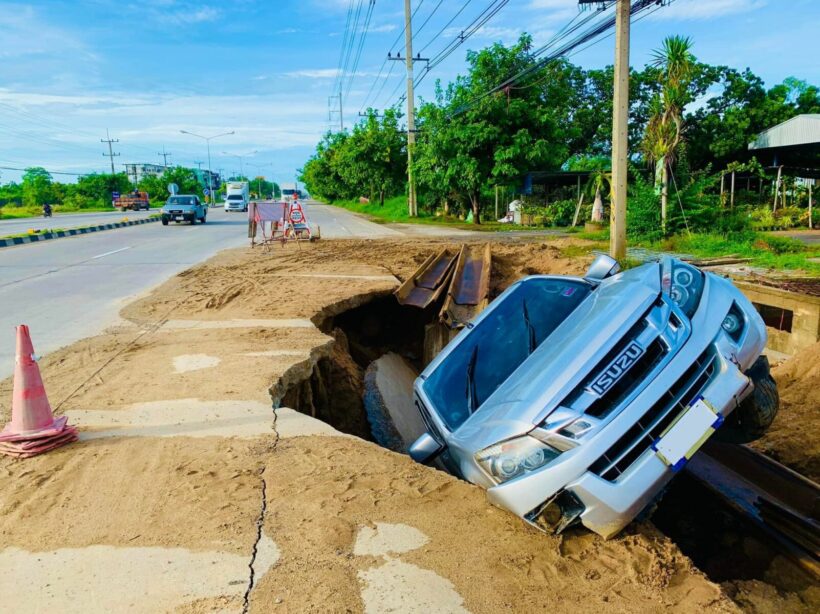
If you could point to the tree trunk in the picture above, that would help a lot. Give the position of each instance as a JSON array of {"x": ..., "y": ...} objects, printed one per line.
[
  {"x": 598, "y": 206},
  {"x": 381, "y": 198},
  {"x": 446, "y": 207},
  {"x": 664, "y": 194},
  {"x": 474, "y": 198}
]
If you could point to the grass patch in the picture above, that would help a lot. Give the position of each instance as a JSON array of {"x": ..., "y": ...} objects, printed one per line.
[
  {"x": 395, "y": 211},
  {"x": 764, "y": 250}
]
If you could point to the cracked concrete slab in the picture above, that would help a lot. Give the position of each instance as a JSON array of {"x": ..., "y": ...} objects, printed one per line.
[
  {"x": 388, "y": 538},
  {"x": 403, "y": 587},
  {"x": 111, "y": 579},
  {"x": 196, "y": 418},
  {"x": 194, "y": 362}
]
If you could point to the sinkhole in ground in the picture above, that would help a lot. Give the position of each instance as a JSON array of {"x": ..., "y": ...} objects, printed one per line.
[
  {"x": 720, "y": 543},
  {"x": 335, "y": 390}
]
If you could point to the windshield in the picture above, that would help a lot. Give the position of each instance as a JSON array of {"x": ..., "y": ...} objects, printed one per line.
[
  {"x": 288, "y": 192},
  {"x": 235, "y": 197},
  {"x": 181, "y": 200},
  {"x": 499, "y": 344}
]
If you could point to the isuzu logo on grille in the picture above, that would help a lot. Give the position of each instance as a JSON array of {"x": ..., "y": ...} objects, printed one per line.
[{"x": 616, "y": 369}]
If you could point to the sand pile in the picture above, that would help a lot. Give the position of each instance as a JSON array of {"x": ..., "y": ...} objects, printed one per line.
[
  {"x": 794, "y": 438},
  {"x": 192, "y": 491}
]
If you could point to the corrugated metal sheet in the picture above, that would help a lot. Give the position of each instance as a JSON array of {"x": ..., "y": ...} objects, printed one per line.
[{"x": 800, "y": 130}]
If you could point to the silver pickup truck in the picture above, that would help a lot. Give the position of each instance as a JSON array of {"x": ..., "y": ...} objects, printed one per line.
[{"x": 577, "y": 399}]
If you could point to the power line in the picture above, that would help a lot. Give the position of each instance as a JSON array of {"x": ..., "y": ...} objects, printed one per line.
[
  {"x": 362, "y": 39},
  {"x": 386, "y": 59},
  {"x": 603, "y": 26},
  {"x": 344, "y": 45},
  {"x": 14, "y": 168}
]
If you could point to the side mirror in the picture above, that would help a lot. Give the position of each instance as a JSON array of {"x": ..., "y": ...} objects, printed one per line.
[
  {"x": 604, "y": 266},
  {"x": 425, "y": 449}
]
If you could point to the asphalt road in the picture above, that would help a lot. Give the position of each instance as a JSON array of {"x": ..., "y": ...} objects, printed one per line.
[
  {"x": 72, "y": 288},
  {"x": 67, "y": 220}
]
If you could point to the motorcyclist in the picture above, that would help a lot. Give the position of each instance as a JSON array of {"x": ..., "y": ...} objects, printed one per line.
[{"x": 46, "y": 210}]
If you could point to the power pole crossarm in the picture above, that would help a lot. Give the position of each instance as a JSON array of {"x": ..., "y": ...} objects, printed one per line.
[{"x": 111, "y": 155}]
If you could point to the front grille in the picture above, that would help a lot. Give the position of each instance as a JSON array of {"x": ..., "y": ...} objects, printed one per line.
[
  {"x": 620, "y": 456},
  {"x": 653, "y": 354},
  {"x": 636, "y": 375}
]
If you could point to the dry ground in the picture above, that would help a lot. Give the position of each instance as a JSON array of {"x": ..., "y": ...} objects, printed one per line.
[{"x": 189, "y": 493}]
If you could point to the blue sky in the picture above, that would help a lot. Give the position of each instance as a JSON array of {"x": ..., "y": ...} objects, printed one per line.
[{"x": 144, "y": 70}]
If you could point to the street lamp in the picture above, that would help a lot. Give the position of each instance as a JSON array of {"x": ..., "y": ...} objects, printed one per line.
[
  {"x": 207, "y": 140},
  {"x": 241, "y": 157}
]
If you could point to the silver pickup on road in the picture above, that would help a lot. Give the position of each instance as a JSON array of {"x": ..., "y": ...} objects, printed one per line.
[{"x": 578, "y": 399}]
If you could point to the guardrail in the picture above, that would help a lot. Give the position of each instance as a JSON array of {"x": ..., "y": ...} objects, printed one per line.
[{"x": 71, "y": 232}]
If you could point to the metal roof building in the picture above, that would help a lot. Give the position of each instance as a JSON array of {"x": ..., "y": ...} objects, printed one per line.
[{"x": 795, "y": 143}]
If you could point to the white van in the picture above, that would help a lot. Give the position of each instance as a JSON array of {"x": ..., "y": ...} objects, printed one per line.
[{"x": 237, "y": 196}]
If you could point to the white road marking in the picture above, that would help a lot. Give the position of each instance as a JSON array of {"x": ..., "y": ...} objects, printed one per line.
[{"x": 116, "y": 251}]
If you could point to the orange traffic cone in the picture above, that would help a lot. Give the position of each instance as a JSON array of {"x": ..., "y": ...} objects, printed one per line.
[{"x": 33, "y": 428}]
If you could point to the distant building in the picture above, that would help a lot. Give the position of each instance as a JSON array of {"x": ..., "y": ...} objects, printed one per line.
[
  {"x": 136, "y": 172},
  {"x": 202, "y": 177}
]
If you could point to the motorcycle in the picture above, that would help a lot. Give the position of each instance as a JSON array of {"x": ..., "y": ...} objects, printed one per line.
[{"x": 46, "y": 210}]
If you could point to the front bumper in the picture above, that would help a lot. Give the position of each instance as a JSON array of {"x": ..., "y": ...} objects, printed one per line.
[
  {"x": 610, "y": 500},
  {"x": 185, "y": 216}
]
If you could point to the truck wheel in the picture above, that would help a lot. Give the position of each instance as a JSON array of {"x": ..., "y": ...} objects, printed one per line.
[
  {"x": 164, "y": 222},
  {"x": 753, "y": 417},
  {"x": 204, "y": 217}
]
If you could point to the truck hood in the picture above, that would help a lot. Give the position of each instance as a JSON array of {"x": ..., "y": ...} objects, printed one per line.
[
  {"x": 563, "y": 360},
  {"x": 185, "y": 208}
]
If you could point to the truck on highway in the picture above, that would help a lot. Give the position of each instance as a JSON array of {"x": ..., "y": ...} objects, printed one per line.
[
  {"x": 290, "y": 192},
  {"x": 134, "y": 201},
  {"x": 237, "y": 196}
]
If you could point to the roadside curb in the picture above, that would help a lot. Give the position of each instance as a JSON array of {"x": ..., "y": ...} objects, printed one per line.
[{"x": 71, "y": 232}]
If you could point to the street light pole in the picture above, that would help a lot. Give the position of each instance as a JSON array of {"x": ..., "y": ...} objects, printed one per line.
[{"x": 208, "y": 141}]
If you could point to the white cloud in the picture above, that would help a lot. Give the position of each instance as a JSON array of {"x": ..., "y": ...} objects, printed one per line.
[
  {"x": 189, "y": 15},
  {"x": 324, "y": 73},
  {"x": 388, "y": 27},
  {"x": 699, "y": 10}
]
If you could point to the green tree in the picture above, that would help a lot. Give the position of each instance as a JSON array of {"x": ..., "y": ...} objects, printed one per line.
[
  {"x": 664, "y": 130},
  {"x": 38, "y": 187}
]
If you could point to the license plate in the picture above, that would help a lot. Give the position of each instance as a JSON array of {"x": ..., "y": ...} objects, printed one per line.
[{"x": 687, "y": 434}]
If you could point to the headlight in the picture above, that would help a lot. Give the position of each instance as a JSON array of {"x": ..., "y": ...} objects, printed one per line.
[
  {"x": 682, "y": 283},
  {"x": 509, "y": 459}
]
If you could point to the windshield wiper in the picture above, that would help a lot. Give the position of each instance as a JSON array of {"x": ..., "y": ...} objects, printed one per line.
[
  {"x": 472, "y": 395},
  {"x": 531, "y": 344}
]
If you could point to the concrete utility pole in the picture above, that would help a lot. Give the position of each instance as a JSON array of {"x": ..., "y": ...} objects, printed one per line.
[
  {"x": 111, "y": 155},
  {"x": 412, "y": 205},
  {"x": 164, "y": 155},
  {"x": 620, "y": 132}
]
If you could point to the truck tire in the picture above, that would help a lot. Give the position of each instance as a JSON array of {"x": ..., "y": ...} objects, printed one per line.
[
  {"x": 204, "y": 217},
  {"x": 755, "y": 414}
]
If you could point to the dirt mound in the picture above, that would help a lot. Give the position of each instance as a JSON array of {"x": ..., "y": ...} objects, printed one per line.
[
  {"x": 794, "y": 438},
  {"x": 321, "y": 493}
]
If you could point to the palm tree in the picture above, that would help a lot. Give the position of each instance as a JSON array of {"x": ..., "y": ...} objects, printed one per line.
[
  {"x": 664, "y": 131},
  {"x": 598, "y": 181}
]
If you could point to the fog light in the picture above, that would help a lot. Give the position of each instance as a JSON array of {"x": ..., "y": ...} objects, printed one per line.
[{"x": 731, "y": 323}]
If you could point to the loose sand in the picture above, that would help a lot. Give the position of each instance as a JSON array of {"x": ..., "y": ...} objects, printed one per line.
[
  {"x": 794, "y": 438},
  {"x": 200, "y": 466}
]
